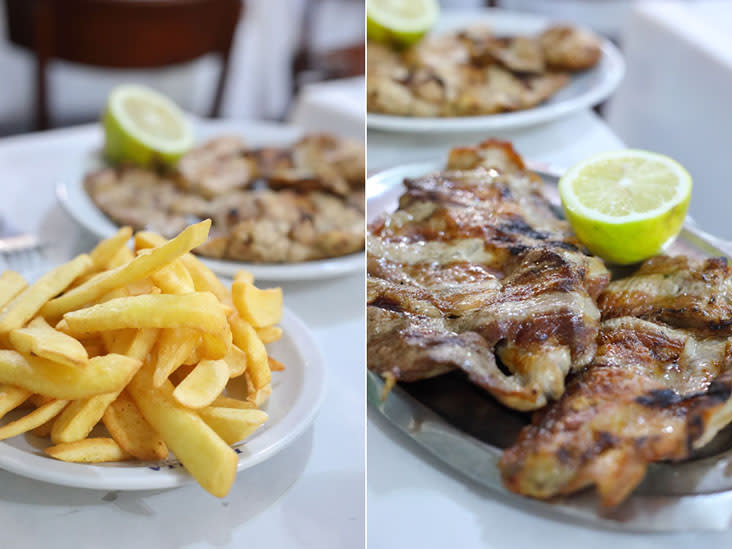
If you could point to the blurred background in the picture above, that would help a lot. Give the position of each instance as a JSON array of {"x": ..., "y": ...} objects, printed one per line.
[{"x": 60, "y": 58}]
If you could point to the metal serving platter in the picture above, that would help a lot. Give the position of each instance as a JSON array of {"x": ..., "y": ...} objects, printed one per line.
[{"x": 466, "y": 428}]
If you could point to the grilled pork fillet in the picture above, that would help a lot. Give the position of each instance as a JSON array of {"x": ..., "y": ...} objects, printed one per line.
[
  {"x": 652, "y": 393},
  {"x": 474, "y": 265}
]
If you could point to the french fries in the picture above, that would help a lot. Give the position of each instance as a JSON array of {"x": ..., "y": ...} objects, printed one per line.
[{"x": 150, "y": 346}]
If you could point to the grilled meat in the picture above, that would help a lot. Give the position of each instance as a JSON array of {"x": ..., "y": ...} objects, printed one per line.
[
  {"x": 652, "y": 393},
  {"x": 474, "y": 271},
  {"x": 270, "y": 204},
  {"x": 473, "y": 72}
]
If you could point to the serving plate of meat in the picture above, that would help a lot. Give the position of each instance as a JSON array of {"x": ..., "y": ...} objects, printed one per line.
[
  {"x": 488, "y": 70},
  {"x": 502, "y": 347},
  {"x": 284, "y": 205}
]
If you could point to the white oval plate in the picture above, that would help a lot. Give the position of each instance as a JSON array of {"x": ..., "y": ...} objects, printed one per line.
[
  {"x": 297, "y": 393},
  {"x": 585, "y": 90},
  {"x": 75, "y": 200}
]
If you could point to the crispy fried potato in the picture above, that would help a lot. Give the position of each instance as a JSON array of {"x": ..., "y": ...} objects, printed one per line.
[
  {"x": 174, "y": 279},
  {"x": 40, "y": 339},
  {"x": 228, "y": 402},
  {"x": 260, "y": 396},
  {"x": 244, "y": 276},
  {"x": 269, "y": 334},
  {"x": 90, "y": 450},
  {"x": 240, "y": 387},
  {"x": 204, "y": 279},
  {"x": 142, "y": 287},
  {"x": 27, "y": 303},
  {"x": 132, "y": 432},
  {"x": 233, "y": 424},
  {"x": 275, "y": 365},
  {"x": 247, "y": 340},
  {"x": 201, "y": 387},
  {"x": 174, "y": 347},
  {"x": 259, "y": 308},
  {"x": 11, "y": 284},
  {"x": 122, "y": 257},
  {"x": 203, "y": 453},
  {"x": 137, "y": 269},
  {"x": 11, "y": 397},
  {"x": 215, "y": 347},
  {"x": 200, "y": 310},
  {"x": 36, "y": 418},
  {"x": 102, "y": 374},
  {"x": 103, "y": 253},
  {"x": 236, "y": 359}
]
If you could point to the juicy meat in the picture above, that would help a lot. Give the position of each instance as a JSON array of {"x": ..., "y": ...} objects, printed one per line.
[
  {"x": 652, "y": 393},
  {"x": 676, "y": 290},
  {"x": 283, "y": 204},
  {"x": 474, "y": 271},
  {"x": 474, "y": 72}
]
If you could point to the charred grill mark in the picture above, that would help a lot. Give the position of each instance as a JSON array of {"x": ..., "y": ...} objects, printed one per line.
[
  {"x": 660, "y": 398},
  {"x": 518, "y": 225},
  {"x": 389, "y": 304}
]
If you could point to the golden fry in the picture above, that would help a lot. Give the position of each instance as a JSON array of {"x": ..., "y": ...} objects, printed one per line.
[
  {"x": 269, "y": 334},
  {"x": 203, "y": 453},
  {"x": 233, "y": 424},
  {"x": 247, "y": 340},
  {"x": 103, "y": 253},
  {"x": 228, "y": 402},
  {"x": 90, "y": 450},
  {"x": 11, "y": 397},
  {"x": 132, "y": 432},
  {"x": 27, "y": 303},
  {"x": 236, "y": 359},
  {"x": 215, "y": 347},
  {"x": 275, "y": 365},
  {"x": 200, "y": 310},
  {"x": 36, "y": 418},
  {"x": 174, "y": 347},
  {"x": 201, "y": 387},
  {"x": 102, "y": 374},
  {"x": 259, "y": 308},
  {"x": 174, "y": 279},
  {"x": 11, "y": 284},
  {"x": 38, "y": 338},
  {"x": 122, "y": 257},
  {"x": 137, "y": 269},
  {"x": 244, "y": 276}
]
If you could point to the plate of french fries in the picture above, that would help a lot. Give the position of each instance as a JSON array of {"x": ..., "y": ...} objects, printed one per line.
[{"x": 135, "y": 368}]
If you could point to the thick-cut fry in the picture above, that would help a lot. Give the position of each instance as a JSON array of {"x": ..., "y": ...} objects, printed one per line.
[
  {"x": 44, "y": 430},
  {"x": 103, "y": 253},
  {"x": 269, "y": 334},
  {"x": 260, "y": 396},
  {"x": 228, "y": 402},
  {"x": 214, "y": 347},
  {"x": 201, "y": 387},
  {"x": 204, "y": 279},
  {"x": 174, "y": 279},
  {"x": 122, "y": 257},
  {"x": 90, "y": 450},
  {"x": 247, "y": 340},
  {"x": 259, "y": 308},
  {"x": 203, "y": 453},
  {"x": 137, "y": 269},
  {"x": 244, "y": 276},
  {"x": 132, "y": 432},
  {"x": 11, "y": 284},
  {"x": 233, "y": 424},
  {"x": 11, "y": 397},
  {"x": 80, "y": 417},
  {"x": 27, "y": 303},
  {"x": 38, "y": 338},
  {"x": 236, "y": 359},
  {"x": 174, "y": 347},
  {"x": 275, "y": 365},
  {"x": 142, "y": 287},
  {"x": 36, "y": 418},
  {"x": 102, "y": 374},
  {"x": 200, "y": 310}
]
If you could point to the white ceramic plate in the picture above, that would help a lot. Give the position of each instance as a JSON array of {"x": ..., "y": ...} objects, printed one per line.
[
  {"x": 75, "y": 200},
  {"x": 297, "y": 393},
  {"x": 585, "y": 90}
]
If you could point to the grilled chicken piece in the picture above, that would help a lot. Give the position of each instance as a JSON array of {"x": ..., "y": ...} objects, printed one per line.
[
  {"x": 652, "y": 393},
  {"x": 678, "y": 291},
  {"x": 569, "y": 48},
  {"x": 473, "y": 264},
  {"x": 521, "y": 54}
]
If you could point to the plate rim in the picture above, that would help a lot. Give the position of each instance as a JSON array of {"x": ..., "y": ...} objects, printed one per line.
[
  {"x": 143, "y": 477},
  {"x": 540, "y": 114}
]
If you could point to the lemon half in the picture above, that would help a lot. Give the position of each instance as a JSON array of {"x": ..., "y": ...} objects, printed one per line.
[
  {"x": 400, "y": 22},
  {"x": 625, "y": 206},
  {"x": 144, "y": 127}
]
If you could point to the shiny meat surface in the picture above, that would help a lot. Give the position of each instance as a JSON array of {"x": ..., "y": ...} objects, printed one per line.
[
  {"x": 291, "y": 204},
  {"x": 474, "y": 271},
  {"x": 652, "y": 393},
  {"x": 473, "y": 72}
]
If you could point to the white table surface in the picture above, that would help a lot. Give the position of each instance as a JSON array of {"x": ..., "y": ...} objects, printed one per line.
[
  {"x": 309, "y": 495},
  {"x": 333, "y": 106},
  {"x": 415, "y": 500}
]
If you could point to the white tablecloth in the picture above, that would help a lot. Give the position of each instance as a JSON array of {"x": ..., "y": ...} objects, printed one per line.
[
  {"x": 675, "y": 97},
  {"x": 309, "y": 495},
  {"x": 415, "y": 500}
]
